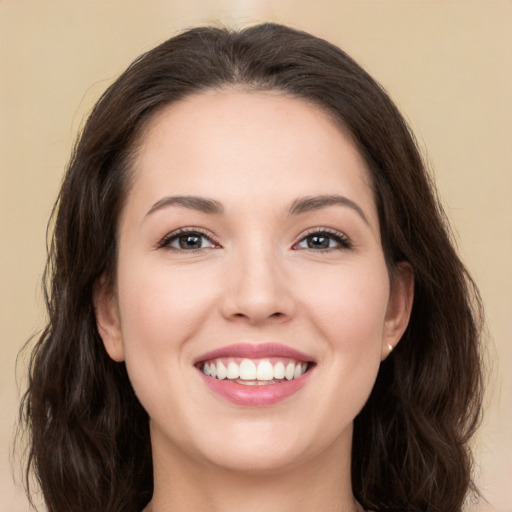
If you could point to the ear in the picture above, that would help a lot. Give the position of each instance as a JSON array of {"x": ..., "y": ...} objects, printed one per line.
[
  {"x": 399, "y": 308},
  {"x": 107, "y": 318}
]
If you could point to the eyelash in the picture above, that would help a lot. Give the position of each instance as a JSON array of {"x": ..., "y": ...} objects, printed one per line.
[
  {"x": 166, "y": 241},
  {"x": 341, "y": 239}
]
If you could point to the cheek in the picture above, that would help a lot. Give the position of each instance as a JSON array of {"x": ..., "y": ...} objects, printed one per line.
[
  {"x": 349, "y": 306},
  {"x": 160, "y": 310},
  {"x": 348, "y": 310},
  {"x": 350, "y": 314}
]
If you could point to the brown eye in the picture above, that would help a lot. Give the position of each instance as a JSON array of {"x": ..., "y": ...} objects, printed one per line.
[
  {"x": 324, "y": 241},
  {"x": 187, "y": 241},
  {"x": 318, "y": 242}
]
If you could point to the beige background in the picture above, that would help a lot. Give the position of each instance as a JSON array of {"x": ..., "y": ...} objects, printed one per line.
[{"x": 445, "y": 63}]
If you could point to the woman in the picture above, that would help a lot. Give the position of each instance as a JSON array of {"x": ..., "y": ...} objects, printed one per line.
[{"x": 253, "y": 298}]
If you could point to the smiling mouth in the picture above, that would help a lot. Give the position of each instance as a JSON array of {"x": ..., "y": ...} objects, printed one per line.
[{"x": 254, "y": 372}]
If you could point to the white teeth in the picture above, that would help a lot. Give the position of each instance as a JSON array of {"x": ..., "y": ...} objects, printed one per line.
[
  {"x": 233, "y": 371},
  {"x": 265, "y": 370},
  {"x": 247, "y": 370},
  {"x": 279, "y": 370},
  {"x": 253, "y": 372},
  {"x": 221, "y": 370},
  {"x": 290, "y": 371}
]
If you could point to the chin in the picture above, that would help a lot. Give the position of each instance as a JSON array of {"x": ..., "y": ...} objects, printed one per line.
[
  {"x": 270, "y": 448},
  {"x": 258, "y": 462}
]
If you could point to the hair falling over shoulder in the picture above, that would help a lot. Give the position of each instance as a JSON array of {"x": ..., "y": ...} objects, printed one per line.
[{"x": 89, "y": 436}]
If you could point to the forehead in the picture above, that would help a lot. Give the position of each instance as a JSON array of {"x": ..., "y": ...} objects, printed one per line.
[{"x": 247, "y": 146}]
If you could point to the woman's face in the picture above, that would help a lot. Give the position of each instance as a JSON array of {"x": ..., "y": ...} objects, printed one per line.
[{"x": 252, "y": 303}]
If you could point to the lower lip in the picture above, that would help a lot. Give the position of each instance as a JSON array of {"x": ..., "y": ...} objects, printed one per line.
[{"x": 258, "y": 395}]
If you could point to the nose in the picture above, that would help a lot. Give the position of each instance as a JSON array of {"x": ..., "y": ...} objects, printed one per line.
[{"x": 257, "y": 289}]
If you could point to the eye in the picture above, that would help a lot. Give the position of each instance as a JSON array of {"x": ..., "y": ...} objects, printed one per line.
[
  {"x": 323, "y": 240},
  {"x": 187, "y": 240}
]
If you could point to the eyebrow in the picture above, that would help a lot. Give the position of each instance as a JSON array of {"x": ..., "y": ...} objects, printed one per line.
[
  {"x": 310, "y": 203},
  {"x": 302, "y": 205},
  {"x": 200, "y": 204}
]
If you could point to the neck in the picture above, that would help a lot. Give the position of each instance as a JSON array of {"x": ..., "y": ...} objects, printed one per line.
[{"x": 184, "y": 484}]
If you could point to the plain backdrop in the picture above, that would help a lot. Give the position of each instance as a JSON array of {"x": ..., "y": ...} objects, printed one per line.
[{"x": 445, "y": 63}]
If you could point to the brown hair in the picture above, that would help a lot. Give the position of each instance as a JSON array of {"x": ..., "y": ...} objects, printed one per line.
[{"x": 90, "y": 445}]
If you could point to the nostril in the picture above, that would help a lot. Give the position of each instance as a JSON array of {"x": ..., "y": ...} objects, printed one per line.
[{"x": 277, "y": 314}]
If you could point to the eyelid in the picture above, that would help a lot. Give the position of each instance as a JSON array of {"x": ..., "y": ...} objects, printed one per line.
[
  {"x": 164, "y": 242},
  {"x": 339, "y": 236}
]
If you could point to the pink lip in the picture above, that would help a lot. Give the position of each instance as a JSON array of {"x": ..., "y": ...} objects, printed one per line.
[
  {"x": 252, "y": 351},
  {"x": 255, "y": 396}
]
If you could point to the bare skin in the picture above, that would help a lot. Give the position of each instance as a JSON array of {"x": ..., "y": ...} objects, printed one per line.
[{"x": 276, "y": 242}]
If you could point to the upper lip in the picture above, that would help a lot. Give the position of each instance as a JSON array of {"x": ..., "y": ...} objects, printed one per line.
[{"x": 255, "y": 351}]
